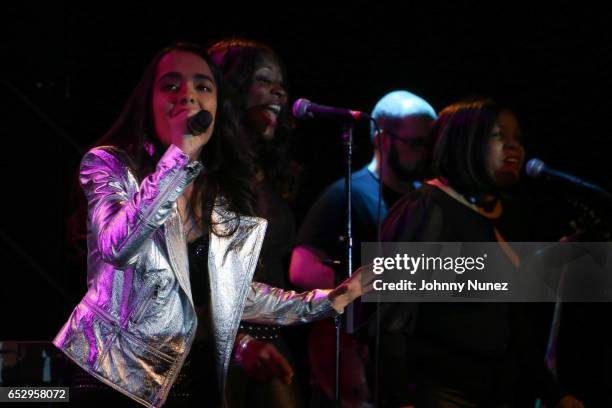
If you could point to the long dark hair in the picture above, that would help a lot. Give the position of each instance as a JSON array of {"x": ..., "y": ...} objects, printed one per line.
[
  {"x": 238, "y": 58},
  {"x": 460, "y": 134},
  {"x": 226, "y": 159}
]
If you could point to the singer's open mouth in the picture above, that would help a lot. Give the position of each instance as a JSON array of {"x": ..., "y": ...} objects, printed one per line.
[{"x": 273, "y": 108}]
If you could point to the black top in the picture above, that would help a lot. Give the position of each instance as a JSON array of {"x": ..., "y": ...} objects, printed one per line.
[
  {"x": 278, "y": 242},
  {"x": 324, "y": 225},
  {"x": 198, "y": 271},
  {"x": 275, "y": 255},
  {"x": 197, "y": 382},
  {"x": 430, "y": 215},
  {"x": 478, "y": 347}
]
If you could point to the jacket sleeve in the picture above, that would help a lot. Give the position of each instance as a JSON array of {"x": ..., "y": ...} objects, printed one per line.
[
  {"x": 269, "y": 305},
  {"x": 123, "y": 218}
]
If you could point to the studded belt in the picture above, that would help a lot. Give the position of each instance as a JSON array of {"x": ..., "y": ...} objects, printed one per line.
[{"x": 260, "y": 331}]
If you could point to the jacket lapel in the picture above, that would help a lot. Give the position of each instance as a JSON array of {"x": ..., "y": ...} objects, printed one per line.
[
  {"x": 232, "y": 259},
  {"x": 177, "y": 251}
]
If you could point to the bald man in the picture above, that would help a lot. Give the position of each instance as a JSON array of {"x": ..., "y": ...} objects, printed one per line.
[{"x": 401, "y": 154}]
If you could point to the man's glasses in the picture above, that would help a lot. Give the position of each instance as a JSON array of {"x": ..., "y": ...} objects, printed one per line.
[{"x": 413, "y": 142}]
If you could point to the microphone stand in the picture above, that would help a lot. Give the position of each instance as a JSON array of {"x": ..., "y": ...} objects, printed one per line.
[{"x": 347, "y": 137}]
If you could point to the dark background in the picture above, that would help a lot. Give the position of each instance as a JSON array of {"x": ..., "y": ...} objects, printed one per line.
[{"x": 68, "y": 68}]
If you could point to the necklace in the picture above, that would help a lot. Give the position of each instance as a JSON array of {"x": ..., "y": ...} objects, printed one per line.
[{"x": 495, "y": 213}]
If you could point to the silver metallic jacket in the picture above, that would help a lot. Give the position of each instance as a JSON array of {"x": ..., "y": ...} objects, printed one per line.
[{"x": 134, "y": 327}]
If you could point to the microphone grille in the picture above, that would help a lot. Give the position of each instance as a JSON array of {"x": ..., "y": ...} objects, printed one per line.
[
  {"x": 199, "y": 122},
  {"x": 300, "y": 108},
  {"x": 534, "y": 167}
]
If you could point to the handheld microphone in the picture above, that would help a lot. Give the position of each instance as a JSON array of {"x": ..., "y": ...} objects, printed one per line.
[
  {"x": 304, "y": 109},
  {"x": 199, "y": 123},
  {"x": 537, "y": 169}
]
